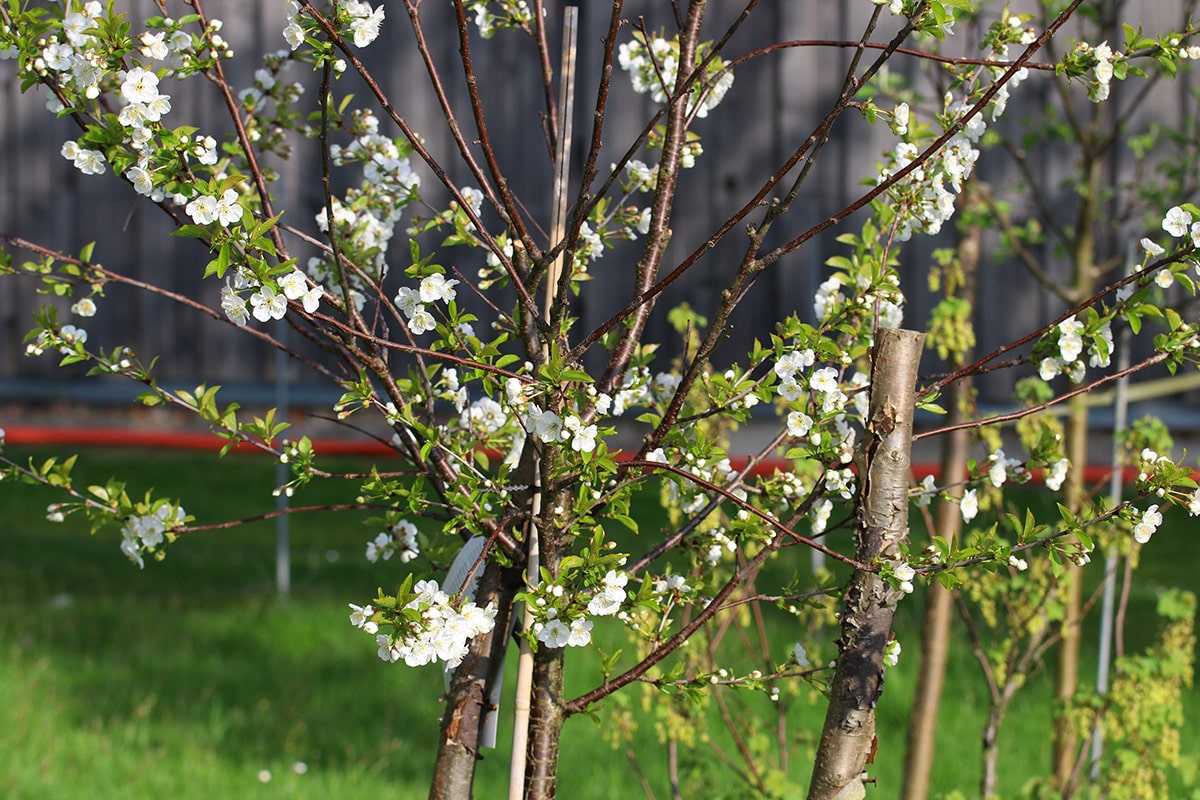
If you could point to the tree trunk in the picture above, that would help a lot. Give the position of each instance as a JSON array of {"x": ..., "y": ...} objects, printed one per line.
[
  {"x": 935, "y": 630},
  {"x": 848, "y": 739},
  {"x": 1066, "y": 746},
  {"x": 467, "y": 701},
  {"x": 548, "y": 702},
  {"x": 545, "y": 724},
  {"x": 1084, "y": 267},
  {"x": 991, "y": 753}
]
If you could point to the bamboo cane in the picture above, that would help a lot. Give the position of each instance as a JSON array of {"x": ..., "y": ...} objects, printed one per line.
[{"x": 566, "y": 101}]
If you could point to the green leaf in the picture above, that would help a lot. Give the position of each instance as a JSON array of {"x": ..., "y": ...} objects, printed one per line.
[
  {"x": 1084, "y": 540},
  {"x": 575, "y": 375},
  {"x": 625, "y": 520},
  {"x": 1056, "y": 566},
  {"x": 191, "y": 231}
]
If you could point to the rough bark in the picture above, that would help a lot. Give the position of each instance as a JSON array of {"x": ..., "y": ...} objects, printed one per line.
[
  {"x": 545, "y": 725},
  {"x": 848, "y": 739},
  {"x": 548, "y": 701},
  {"x": 468, "y": 698}
]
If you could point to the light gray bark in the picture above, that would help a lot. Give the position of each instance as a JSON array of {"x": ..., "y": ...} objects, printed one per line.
[{"x": 848, "y": 739}]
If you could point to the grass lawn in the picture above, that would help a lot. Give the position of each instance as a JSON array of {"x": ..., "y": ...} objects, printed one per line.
[{"x": 190, "y": 679}]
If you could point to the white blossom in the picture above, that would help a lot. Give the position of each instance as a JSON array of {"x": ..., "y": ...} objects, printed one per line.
[
  {"x": 554, "y": 634},
  {"x": 1057, "y": 474},
  {"x": 1176, "y": 222},
  {"x": 969, "y": 505}
]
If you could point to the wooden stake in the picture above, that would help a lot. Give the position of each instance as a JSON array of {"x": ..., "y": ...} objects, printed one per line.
[{"x": 566, "y": 103}]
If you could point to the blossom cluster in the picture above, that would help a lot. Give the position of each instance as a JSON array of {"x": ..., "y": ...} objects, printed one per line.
[
  {"x": 1147, "y": 525},
  {"x": 561, "y": 619},
  {"x": 400, "y": 537},
  {"x": 412, "y": 301},
  {"x": 904, "y": 574},
  {"x": 429, "y": 628},
  {"x": 1071, "y": 346},
  {"x": 654, "y": 65},
  {"x": 575, "y": 630},
  {"x": 884, "y": 300},
  {"x": 1004, "y": 469},
  {"x": 362, "y": 22},
  {"x": 1057, "y": 474},
  {"x": 507, "y": 14},
  {"x": 65, "y": 340},
  {"x": 83, "y": 69},
  {"x": 824, "y": 389},
  {"x": 267, "y": 302},
  {"x": 207, "y": 209},
  {"x": 891, "y": 653},
  {"x": 366, "y": 217},
  {"x": 925, "y": 197},
  {"x": 1102, "y": 70},
  {"x": 1150, "y": 462},
  {"x": 1177, "y": 222},
  {"x": 143, "y": 533}
]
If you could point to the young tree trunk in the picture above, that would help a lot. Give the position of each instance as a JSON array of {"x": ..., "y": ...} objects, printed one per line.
[
  {"x": 467, "y": 702},
  {"x": 848, "y": 739},
  {"x": 1083, "y": 266},
  {"x": 935, "y": 631},
  {"x": 545, "y": 725},
  {"x": 1066, "y": 746},
  {"x": 548, "y": 702},
  {"x": 991, "y": 753},
  {"x": 939, "y": 602}
]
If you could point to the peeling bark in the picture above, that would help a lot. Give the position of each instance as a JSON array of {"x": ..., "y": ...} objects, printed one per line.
[{"x": 848, "y": 739}]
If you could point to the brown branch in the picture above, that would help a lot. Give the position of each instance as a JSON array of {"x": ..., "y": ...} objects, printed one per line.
[
  {"x": 511, "y": 213},
  {"x": 420, "y": 149},
  {"x": 817, "y": 135},
  {"x": 231, "y": 105},
  {"x": 727, "y": 494},
  {"x": 858, "y": 44},
  {"x": 585, "y": 700},
  {"x": 116, "y": 277},
  {"x": 932, "y": 149},
  {"x": 974, "y": 367},
  {"x": 664, "y": 197},
  {"x": 233, "y": 523},
  {"x": 1024, "y": 412}
]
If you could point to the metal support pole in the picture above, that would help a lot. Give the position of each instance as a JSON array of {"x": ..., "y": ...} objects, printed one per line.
[
  {"x": 1115, "y": 491},
  {"x": 283, "y": 560}
]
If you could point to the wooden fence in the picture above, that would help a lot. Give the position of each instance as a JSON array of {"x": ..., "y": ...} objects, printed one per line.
[{"x": 775, "y": 102}]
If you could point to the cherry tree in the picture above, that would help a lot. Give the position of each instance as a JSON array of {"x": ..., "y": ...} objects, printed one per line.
[{"x": 448, "y": 314}]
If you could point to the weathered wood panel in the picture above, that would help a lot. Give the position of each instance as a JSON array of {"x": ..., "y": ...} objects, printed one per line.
[{"x": 776, "y": 102}]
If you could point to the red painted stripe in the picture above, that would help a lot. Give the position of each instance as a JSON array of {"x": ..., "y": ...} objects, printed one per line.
[{"x": 178, "y": 440}]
